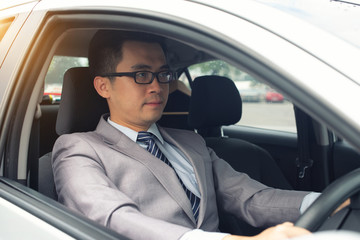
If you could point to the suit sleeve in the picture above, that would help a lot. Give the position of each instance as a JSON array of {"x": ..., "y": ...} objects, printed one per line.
[
  {"x": 82, "y": 185},
  {"x": 257, "y": 204}
]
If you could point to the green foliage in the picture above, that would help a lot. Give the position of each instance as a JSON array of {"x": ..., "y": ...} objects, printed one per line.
[
  {"x": 59, "y": 65},
  {"x": 221, "y": 68},
  {"x": 214, "y": 68}
]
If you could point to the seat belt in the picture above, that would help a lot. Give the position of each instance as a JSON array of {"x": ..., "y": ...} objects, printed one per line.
[{"x": 303, "y": 161}]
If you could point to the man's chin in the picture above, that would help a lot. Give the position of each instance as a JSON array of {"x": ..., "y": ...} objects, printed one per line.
[{"x": 153, "y": 119}]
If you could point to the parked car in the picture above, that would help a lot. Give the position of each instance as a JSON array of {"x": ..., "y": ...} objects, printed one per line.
[
  {"x": 273, "y": 96},
  {"x": 251, "y": 95},
  {"x": 309, "y": 62}
]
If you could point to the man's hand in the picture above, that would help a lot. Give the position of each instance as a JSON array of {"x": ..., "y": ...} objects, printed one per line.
[
  {"x": 281, "y": 231},
  {"x": 344, "y": 204}
]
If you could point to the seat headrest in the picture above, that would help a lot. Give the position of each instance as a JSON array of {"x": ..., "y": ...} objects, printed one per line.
[
  {"x": 81, "y": 106},
  {"x": 215, "y": 101}
]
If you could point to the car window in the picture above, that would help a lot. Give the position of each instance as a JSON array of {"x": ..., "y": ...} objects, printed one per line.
[
  {"x": 4, "y": 26},
  {"x": 263, "y": 107},
  {"x": 54, "y": 77}
]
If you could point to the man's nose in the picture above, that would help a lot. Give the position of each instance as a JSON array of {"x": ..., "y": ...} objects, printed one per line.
[{"x": 156, "y": 85}]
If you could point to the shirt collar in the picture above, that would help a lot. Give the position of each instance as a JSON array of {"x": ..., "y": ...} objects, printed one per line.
[
  {"x": 133, "y": 134},
  {"x": 154, "y": 130}
]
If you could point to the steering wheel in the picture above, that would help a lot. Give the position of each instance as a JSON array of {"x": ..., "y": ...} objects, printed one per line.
[{"x": 335, "y": 194}]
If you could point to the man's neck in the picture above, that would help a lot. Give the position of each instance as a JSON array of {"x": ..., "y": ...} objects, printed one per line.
[
  {"x": 132, "y": 134},
  {"x": 136, "y": 128}
]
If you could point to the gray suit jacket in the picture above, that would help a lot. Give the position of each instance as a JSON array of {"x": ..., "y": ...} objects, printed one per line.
[{"x": 112, "y": 180}]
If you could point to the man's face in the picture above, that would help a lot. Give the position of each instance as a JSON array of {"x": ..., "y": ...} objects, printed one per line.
[{"x": 133, "y": 105}]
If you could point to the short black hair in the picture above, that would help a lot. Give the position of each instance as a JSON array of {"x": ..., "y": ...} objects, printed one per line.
[{"x": 105, "y": 49}]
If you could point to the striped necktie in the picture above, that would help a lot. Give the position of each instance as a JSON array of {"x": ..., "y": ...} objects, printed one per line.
[{"x": 148, "y": 139}]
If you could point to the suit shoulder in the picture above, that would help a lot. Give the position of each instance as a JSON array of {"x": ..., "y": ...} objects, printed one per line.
[
  {"x": 78, "y": 137},
  {"x": 184, "y": 134}
]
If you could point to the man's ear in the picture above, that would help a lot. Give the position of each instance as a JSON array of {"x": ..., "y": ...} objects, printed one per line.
[{"x": 102, "y": 86}]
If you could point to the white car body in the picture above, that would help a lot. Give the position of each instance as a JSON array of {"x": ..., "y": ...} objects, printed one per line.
[{"x": 294, "y": 57}]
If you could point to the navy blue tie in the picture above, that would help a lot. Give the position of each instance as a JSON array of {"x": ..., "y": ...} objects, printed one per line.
[{"x": 148, "y": 139}]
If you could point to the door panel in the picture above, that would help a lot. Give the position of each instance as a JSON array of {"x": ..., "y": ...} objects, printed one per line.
[{"x": 281, "y": 145}]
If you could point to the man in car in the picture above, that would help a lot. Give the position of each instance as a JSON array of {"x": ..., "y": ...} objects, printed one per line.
[{"x": 148, "y": 182}]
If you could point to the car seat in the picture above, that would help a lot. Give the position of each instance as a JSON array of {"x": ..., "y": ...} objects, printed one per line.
[
  {"x": 216, "y": 102},
  {"x": 79, "y": 111}
]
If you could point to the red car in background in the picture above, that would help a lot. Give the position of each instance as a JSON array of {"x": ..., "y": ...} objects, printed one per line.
[{"x": 273, "y": 96}]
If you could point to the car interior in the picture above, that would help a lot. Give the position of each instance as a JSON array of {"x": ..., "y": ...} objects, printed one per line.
[{"x": 211, "y": 105}]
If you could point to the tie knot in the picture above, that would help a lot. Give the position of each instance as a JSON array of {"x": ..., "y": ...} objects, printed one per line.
[{"x": 145, "y": 137}]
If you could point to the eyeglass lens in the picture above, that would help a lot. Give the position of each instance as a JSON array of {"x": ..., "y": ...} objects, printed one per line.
[{"x": 147, "y": 77}]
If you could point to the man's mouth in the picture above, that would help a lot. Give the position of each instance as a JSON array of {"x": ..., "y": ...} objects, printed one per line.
[{"x": 154, "y": 103}]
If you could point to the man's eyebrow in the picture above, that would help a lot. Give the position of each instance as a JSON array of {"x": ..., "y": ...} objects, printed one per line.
[
  {"x": 147, "y": 67},
  {"x": 166, "y": 66},
  {"x": 140, "y": 67}
]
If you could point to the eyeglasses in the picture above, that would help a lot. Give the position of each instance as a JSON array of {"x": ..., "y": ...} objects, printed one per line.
[{"x": 146, "y": 77}]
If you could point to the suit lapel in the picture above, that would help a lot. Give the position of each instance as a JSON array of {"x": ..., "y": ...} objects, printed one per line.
[
  {"x": 121, "y": 143},
  {"x": 196, "y": 161}
]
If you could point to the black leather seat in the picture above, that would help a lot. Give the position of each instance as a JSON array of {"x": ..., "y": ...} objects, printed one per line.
[
  {"x": 216, "y": 102},
  {"x": 81, "y": 106},
  {"x": 79, "y": 111}
]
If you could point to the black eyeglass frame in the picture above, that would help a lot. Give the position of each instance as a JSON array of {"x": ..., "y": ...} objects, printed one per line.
[{"x": 134, "y": 74}]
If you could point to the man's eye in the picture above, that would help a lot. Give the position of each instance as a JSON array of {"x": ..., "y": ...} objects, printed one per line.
[
  {"x": 142, "y": 75},
  {"x": 168, "y": 75},
  {"x": 164, "y": 74}
]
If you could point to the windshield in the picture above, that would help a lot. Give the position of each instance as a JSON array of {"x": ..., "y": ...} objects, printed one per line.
[{"x": 341, "y": 18}]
